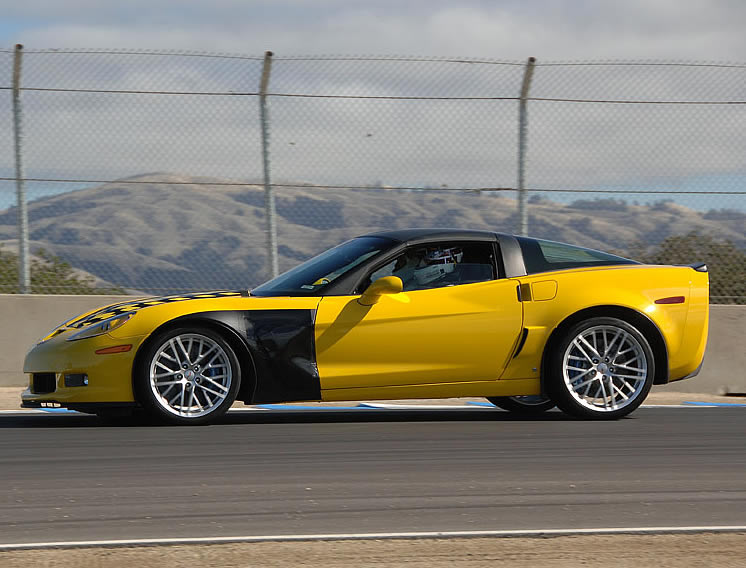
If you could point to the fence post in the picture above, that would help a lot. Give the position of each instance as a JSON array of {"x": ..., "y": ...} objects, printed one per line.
[
  {"x": 269, "y": 196},
  {"x": 24, "y": 275},
  {"x": 522, "y": 134}
]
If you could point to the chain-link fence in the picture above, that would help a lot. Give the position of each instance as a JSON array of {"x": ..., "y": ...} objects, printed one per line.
[{"x": 151, "y": 171}]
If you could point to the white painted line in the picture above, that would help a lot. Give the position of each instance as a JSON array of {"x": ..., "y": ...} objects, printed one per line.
[{"x": 536, "y": 533}]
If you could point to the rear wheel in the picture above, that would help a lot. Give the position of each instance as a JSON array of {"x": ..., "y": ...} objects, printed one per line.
[
  {"x": 527, "y": 405},
  {"x": 602, "y": 368},
  {"x": 187, "y": 376}
]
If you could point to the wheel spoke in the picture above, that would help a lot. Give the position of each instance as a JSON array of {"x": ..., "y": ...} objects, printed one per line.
[
  {"x": 620, "y": 391},
  {"x": 205, "y": 354},
  {"x": 168, "y": 390},
  {"x": 184, "y": 351},
  {"x": 217, "y": 384},
  {"x": 210, "y": 362},
  {"x": 203, "y": 387},
  {"x": 172, "y": 344},
  {"x": 580, "y": 348},
  {"x": 168, "y": 357},
  {"x": 620, "y": 353},
  {"x": 613, "y": 341},
  {"x": 591, "y": 347},
  {"x": 176, "y": 396},
  {"x": 164, "y": 375},
  {"x": 628, "y": 368},
  {"x": 598, "y": 390},
  {"x": 586, "y": 382},
  {"x": 584, "y": 373},
  {"x": 611, "y": 393},
  {"x": 191, "y": 398},
  {"x": 166, "y": 383},
  {"x": 633, "y": 377},
  {"x": 603, "y": 392}
]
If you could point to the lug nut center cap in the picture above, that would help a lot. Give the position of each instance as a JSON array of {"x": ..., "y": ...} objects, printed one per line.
[
  {"x": 603, "y": 368},
  {"x": 189, "y": 375}
]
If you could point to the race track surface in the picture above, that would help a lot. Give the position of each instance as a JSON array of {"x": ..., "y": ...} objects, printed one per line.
[{"x": 70, "y": 477}]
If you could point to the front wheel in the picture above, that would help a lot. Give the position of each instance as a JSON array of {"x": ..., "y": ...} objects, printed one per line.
[
  {"x": 187, "y": 376},
  {"x": 602, "y": 368},
  {"x": 527, "y": 405}
]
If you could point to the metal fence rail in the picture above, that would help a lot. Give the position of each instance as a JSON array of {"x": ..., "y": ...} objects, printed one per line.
[{"x": 145, "y": 171}]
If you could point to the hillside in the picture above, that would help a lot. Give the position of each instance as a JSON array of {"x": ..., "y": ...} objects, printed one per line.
[{"x": 169, "y": 233}]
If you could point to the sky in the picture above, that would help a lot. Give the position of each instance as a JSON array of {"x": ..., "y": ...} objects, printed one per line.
[
  {"x": 510, "y": 29},
  {"x": 432, "y": 143}
]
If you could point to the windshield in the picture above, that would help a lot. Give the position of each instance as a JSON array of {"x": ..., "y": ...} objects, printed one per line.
[{"x": 309, "y": 278}]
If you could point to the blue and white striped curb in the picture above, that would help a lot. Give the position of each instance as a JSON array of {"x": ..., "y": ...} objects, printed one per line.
[
  {"x": 692, "y": 403},
  {"x": 469, "y": 405}
]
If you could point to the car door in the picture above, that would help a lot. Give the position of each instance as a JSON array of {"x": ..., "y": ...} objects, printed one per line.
[{"x": 455, "y": 321}]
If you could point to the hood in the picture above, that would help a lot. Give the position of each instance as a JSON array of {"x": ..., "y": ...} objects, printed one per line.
[{"x": 138, "y": 304}]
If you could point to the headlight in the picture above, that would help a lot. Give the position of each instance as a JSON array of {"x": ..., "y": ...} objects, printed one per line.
[
  {"x": 104, "y": 326},
  {"x": 56, "y": 330}
]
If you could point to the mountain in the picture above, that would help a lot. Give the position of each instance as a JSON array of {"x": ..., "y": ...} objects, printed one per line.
[{"x": 166, "y": 233}]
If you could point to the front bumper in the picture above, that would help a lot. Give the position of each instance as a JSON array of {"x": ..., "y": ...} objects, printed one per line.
[{"x": 108, "y": 376}]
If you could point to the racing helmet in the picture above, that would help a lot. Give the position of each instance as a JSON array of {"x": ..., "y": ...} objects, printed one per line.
[{"x": 437, "y": 263}]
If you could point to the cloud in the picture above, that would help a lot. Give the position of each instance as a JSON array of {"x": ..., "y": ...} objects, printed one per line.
[
  {"x": 567, "y": 29},
  {"x": 358, "y": 142}
]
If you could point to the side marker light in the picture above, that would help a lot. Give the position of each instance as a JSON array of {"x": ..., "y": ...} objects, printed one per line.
[
  {"x": 115, "y": 349},
  {"x": 671, "y": 300}
]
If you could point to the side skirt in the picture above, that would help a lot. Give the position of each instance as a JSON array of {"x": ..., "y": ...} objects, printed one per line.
[{"x": 513, "y": 387}]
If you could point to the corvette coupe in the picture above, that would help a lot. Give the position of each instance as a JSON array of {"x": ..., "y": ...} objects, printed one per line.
[{"x": 417, "y": 313}]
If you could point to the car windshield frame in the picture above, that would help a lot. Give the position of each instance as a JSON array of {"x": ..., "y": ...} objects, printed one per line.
[{"x": 330, "y": 266}]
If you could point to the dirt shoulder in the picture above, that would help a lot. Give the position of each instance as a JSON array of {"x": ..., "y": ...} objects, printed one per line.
[{"x": 616, "y": 551}]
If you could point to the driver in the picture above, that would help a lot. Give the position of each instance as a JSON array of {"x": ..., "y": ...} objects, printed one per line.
[
  {"x": 436, "y": 265},
  {"x": 423, "y": 267}
]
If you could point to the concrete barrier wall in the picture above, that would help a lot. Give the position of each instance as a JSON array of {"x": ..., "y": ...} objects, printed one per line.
[{"x": 25, "y": 319}]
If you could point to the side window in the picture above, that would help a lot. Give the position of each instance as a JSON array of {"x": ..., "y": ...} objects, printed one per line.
[
  {"x": 437, "y": 265},
  {"x": 544, "y": 256}
]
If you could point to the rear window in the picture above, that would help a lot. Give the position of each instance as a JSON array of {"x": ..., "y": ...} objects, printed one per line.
[{"x": 544, "y": 256}]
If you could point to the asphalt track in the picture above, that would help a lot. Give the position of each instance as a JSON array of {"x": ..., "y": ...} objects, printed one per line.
[{"x": 72, "y": 478}]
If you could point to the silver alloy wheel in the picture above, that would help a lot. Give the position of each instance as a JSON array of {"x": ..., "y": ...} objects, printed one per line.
[
  {"x": 190, "y": 375},
  {"x": 605, "y": 368}
]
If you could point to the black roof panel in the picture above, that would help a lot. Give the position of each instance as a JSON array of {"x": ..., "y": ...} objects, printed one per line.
[{"x": 414, "y": 235}]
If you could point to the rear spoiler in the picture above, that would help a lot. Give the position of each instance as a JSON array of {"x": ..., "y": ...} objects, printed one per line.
[{"x": 698, "y": 266}]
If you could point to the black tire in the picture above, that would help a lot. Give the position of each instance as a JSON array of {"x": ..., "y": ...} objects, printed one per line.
[
  {"x": 584, "y": 374},
  {"x": 524, "y": 405},
  {"x": 187, "y": 375}
]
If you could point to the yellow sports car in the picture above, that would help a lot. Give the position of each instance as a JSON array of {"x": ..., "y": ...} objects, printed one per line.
[{"x": 415, "y": 313}]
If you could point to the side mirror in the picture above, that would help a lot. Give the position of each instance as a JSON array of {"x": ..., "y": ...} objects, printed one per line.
[{"x": 385, "y": 285}]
